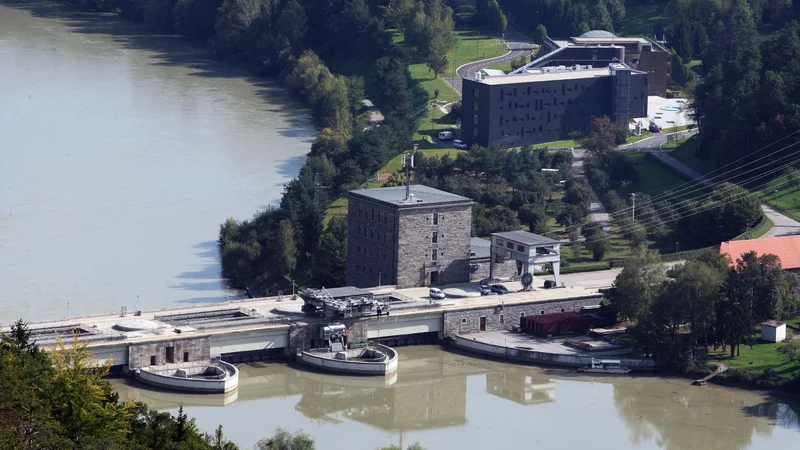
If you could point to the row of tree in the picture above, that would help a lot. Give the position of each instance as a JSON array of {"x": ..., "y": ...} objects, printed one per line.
[
  {"x": 508, "y": 186},
  {"x": 568, "y": 17},
  {"x": 691, "y": 214},
  {"x": 708, "y": 301}
]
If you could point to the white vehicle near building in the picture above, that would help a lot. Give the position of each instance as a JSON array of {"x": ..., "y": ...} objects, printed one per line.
[
  {"x": 436, "y": 293},
  {"x": 446, "y": 135},
  {"x": 458, "y": 143}
]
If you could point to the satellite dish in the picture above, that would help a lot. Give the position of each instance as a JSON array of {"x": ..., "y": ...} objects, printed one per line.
[{"x": 527, "y": 280}]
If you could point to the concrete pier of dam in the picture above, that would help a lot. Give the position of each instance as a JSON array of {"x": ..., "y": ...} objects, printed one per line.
[{"x": 265, "y": 328}]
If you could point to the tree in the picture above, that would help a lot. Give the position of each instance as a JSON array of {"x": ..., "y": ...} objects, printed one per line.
[
  {"x": 233, "y": 20},
  {"x": 330, "y": 258},
  {"x": 539, "y": 34},
  {"x": 534, "y": 216},
  {"x": 195, "y": 18},
  {"x": 285, "y": 440},
  {"x": 693, "y": 294},
  {"x": 292, "y": 24},
  {"x": 638, "y": 285},
  {"x": 287, "y": 248},
  {"x": 495, "y": 19},
  {"x": 603, "y": 137}
]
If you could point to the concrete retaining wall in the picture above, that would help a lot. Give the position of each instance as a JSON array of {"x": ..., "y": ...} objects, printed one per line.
[
  {"x": 518, "y": 354},
  {"x": 507, "y": 317},
  {"x": 353, "y": 367},
  {"x": 192, "y": 384}
]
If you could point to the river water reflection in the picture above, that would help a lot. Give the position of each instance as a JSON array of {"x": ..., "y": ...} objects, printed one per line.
[
  {"x": 446, "y": 400},
  {"x": 121, "y": 152}
]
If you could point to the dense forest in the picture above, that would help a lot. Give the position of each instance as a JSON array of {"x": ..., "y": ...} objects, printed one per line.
[{"x": 746, "y": 51}]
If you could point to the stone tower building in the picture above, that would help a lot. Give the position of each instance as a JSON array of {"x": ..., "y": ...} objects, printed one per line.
[{"x": 418, "y": 239}]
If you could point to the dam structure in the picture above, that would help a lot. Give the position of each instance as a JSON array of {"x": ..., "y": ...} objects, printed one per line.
[{"x": 278, "y": 327}]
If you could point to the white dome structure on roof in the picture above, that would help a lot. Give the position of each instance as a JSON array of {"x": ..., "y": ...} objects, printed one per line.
[{"x": 598, "y": 34}]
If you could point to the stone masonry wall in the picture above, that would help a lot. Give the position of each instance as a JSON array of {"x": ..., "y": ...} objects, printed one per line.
[
  {"x": 371, "y": 239},
  {"x": 139, "y": 354},
  {"x": 504, "y": 269},
  {"x": 505, "y": 318},
  {"x": 414, "y": 264}
]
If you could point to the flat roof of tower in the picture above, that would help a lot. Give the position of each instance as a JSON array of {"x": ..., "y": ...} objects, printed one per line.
[
  {"x": 525, "y": 238},
  {"x": 420, "y": 196}
]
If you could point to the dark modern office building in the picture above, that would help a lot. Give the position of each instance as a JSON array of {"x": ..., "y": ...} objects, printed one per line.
[
  {"x": 600, "y": 48},
  {"x": 548, "y": 104}
]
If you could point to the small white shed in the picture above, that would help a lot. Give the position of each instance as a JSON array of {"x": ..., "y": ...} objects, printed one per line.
[{"x": 773, "y": 331}]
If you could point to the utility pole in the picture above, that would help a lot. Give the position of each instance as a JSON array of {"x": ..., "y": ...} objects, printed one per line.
[
  {"x": 408, "y": 164},
  {"x": 633, "y": 208},
  {"x": 137, "y": 302},
  {"x": 67, "y": 310},
  {"x": 676, "y": 246}
]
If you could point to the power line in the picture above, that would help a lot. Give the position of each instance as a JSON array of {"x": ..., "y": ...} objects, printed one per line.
[{"x": 694, "y": 212}]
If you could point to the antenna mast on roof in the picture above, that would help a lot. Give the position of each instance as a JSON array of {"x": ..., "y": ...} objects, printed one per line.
[{"x": 408, "y": 164}]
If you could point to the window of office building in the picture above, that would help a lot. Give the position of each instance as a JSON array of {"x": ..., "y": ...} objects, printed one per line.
[
  {"x": 373, "y": 213},
  {"x": 475, "y": 106},
  {"x": 474, "y": 132},
  {"x": 359, "y": 210},
  {"x": 476, "y": 93},
  {"x": 475, "y": 119}
]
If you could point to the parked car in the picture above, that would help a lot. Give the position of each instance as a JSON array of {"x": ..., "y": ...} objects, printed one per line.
[
  {"x": 654, "y": 128},
  {"x": 436, "y": 293},
  {"x": 446, "y": 135},
  {"x": 499, "y": 289},
  {"x": 458, "y": 143},
  {"x": 485, "y": 289}
]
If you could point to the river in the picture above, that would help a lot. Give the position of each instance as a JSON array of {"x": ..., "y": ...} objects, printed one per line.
[
  {"x": 445, "y": 400},
  {"x": 121, "y": 152}
]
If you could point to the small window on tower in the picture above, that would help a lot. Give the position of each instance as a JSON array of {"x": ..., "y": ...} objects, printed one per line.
[{"x": 436, "y": 218}]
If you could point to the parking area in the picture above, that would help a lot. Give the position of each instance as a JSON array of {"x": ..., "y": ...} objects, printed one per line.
[{"x": 666, "y": 112}]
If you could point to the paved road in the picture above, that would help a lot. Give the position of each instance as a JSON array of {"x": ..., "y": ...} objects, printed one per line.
[
  {"x": 782, "y": 225},
  {"x": 518, "y": 45},
  {"x": 597, "y": 211}
]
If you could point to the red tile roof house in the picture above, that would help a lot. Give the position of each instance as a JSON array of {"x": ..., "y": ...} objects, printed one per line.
[{"x": 786, "y": 248}]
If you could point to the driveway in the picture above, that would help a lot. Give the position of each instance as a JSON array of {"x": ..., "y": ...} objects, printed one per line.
[
  {"x": 597, "y": 212},
  {"x": 518, "y": 46}
]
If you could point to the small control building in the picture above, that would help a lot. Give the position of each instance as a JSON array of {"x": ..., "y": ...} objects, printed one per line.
[
  {"x": 528, "y": 250},
  {"x": 407, "y": 236}
]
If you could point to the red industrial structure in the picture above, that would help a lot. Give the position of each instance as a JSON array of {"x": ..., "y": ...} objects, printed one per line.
[{"x": 559, "y": 323}]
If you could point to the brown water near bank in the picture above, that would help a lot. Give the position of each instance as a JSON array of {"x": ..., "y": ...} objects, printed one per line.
[
  {"x": 121, "y": 152},
  {"x": 446, "y": 400}
]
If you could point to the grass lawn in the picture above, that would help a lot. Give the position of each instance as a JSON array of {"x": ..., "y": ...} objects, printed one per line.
[
  {"x": 645, "y": 135},
  {"x": 782, "y": 196},
  {"x": 684, "y": 151},
  {"x": 567, "y": 143},
  {"x": 505, "y": 66},
  {"x": 639, "y": 19},
  {"x": 471, "y": 45},
  {"x": 653, "y": 179},
  {"x": 675, "y": 129},
  {"x": 758, "y": 358},
  {"x": 431, "y": 124}
]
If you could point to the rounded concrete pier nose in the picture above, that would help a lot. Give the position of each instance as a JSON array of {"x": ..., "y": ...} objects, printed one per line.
[{"x": 136, "y": 325}]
